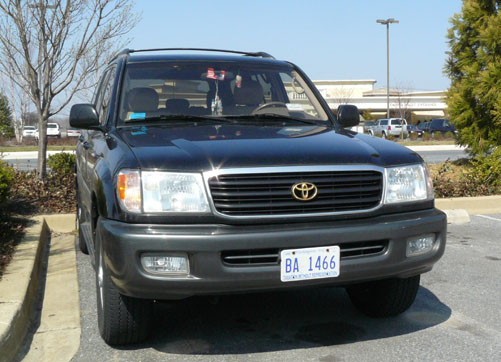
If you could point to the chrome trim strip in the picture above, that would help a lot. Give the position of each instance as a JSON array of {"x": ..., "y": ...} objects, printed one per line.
[{"x": 285, "y": 169}]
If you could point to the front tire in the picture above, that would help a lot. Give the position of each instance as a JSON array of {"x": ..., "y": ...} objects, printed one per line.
[
  {"x": 81, "y": 239},
  {"x": 121, "y": 319},
  {"x": 384, "y": 298}
]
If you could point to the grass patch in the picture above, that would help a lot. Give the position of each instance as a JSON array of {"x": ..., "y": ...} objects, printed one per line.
[
  {"x": 419, "y": 142},
  {"x": 35, "y": 148}
]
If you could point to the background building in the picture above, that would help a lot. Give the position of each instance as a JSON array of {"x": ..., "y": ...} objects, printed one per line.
[{"x": 415, "y": 106}]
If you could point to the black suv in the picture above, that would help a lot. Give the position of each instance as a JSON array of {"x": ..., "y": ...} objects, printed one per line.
[
  {"x": 213, "y": 174},
  {"x": 441, "y": 125}
]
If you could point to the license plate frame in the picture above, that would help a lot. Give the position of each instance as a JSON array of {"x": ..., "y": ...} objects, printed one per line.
[{"x": 310, "y": 263}]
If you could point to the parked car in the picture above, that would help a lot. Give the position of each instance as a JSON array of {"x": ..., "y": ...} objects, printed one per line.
[
  {"x": 412, "y": 129},
  {"x": 29, "y": 131},
  {"x": 390, "y": 126},
  {"x": 424, "y": 126},
  {"x": 441, "y": 125},
  {"x": 53, "y": 130},
  {"x": 211, "y": 185},
  {"x": 73, "y": 132},
  {"x": 368, "y": 125}
]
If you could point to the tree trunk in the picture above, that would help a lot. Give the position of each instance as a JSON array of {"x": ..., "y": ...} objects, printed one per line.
[{"x": 42, "y": 147}]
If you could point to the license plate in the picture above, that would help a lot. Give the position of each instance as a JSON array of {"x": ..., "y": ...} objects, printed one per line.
[{"x": 309, "y": 263}]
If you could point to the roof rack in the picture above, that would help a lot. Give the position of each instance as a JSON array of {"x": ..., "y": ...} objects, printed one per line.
[{"x": 250, "y": 54}]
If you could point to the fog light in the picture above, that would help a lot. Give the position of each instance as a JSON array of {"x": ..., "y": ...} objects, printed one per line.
[
  {"x": 166, "y": 264},
  {"x": 420, "y": 245}
]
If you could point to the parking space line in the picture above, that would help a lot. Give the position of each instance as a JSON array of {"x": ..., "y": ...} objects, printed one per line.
[{"x": 488, "y": 217}]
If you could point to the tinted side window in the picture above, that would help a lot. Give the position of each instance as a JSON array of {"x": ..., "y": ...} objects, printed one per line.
[
  {"x": 384, "y": 123},
  {"x": 103, "y": 100}
]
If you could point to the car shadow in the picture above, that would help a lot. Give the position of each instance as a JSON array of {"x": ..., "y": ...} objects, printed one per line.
[{"x": 267, "y": 322}]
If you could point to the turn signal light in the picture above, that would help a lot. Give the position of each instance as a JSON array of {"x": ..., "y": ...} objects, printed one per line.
[{"x": 129, "y": 190}]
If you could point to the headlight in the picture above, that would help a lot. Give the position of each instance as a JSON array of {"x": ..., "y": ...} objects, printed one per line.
[
  {"x": 408, "y": 183},
  {"x": 162, "y": 191}
]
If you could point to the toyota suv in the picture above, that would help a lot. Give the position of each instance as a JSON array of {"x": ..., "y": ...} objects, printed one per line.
[{"x": 209, "y": 174}]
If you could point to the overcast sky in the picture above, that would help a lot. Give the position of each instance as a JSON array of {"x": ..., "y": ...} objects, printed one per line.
[{"x": 328, "y": 39}]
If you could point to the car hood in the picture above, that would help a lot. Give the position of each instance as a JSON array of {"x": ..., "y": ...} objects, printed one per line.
[{"x": 202, "y": 148}]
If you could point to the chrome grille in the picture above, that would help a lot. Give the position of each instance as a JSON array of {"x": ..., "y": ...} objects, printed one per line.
[
  {"x": 254, "y": 194},
  {"x": 258, "y": 257}
]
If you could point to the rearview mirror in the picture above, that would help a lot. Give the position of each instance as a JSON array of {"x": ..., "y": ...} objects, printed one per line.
[
  {"x": 348, "y": 116},
  {"x": 84, "y": 116}
]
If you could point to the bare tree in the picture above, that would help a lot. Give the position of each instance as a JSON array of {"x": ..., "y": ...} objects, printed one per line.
[
  {"x": 54, "y": 48},
  {"x": 403, "y": 98},
  {"x": 342, "y": 94}
]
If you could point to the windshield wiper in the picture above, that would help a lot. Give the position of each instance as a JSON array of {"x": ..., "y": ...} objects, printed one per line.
[
  {"x": 274, "y": 117},
  {"x": 180, "y": 117}
]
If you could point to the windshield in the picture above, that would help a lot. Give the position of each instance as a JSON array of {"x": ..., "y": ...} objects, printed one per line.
[
  {"x": 51, "y": 125},
  {"x": 29, "y": 128},
  {"x": 215, "y": 89}
]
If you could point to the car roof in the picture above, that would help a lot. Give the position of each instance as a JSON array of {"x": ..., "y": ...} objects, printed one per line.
[{"x": 149, "y": 57}]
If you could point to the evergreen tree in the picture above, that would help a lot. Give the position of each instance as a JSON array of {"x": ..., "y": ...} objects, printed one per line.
[
  {"x": 474, "y": 67},
  {"x": 6, "y": 129}
]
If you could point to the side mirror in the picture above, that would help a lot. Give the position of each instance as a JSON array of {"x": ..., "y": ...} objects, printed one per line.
[
  {"x": 84, "y": 116},
  {"x": 348, "y": 116}
]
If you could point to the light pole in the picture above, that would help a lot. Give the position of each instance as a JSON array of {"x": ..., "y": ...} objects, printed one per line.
[{"x": 387, "y": 22}]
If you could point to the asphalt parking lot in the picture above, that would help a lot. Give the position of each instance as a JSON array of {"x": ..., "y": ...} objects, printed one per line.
[{"x": 455, "y": 317}]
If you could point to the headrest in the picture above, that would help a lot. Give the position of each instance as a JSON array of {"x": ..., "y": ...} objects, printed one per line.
[
  {"x": 177, "y": 105},
  {"x": 250, "y": 94},
  {"x": 143, "y": 100}
]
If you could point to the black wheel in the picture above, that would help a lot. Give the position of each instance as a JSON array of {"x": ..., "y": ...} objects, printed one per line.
[
  {"x": 384, "y": 135},
  {"x": 384, "y": 298},
  {"x": 121, "y": 319},
  {"x": 81, "y": 239}
]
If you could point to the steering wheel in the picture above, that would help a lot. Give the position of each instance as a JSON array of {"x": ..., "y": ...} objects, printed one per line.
[{"x": 268, "y": 105}]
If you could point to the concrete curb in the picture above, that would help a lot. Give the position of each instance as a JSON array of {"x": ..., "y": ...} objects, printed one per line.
[
  {"x": 437, "y": 148},
  {"x": 457, "y": 216},
  {"x": 472, "y": 205},
  {"x": 18, "y": 288},
  {"x": 29, "y": 155}
]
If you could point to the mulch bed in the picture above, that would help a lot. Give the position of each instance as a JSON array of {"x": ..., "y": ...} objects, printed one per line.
[{"x": 31, "y": 196}]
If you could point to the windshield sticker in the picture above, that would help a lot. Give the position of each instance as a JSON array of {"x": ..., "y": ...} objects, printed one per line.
[
  {"x": 137, "y": 116},
  {"x": 294, "y": 107},
  {"x": 138, "y": 131}
]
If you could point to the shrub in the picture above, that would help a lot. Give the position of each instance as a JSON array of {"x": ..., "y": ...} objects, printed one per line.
[
  {"x": 438, "y": 136},
  {"x": 413, "y": 136},
  {"x": 6, "y": 178},
  {"x": 62, "y": 163},
  {"x": 449, "y": 135},
  {"x": 390, "y": 137},
  {"x": 426, "y": 136},
  {"x": 486, "y": 169}
]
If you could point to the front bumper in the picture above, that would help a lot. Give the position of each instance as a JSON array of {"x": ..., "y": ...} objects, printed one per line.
[{"x": 123, "y": 245}]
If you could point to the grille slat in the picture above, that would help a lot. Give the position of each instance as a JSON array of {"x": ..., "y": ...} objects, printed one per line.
[
  {"x": 266, "y": 257},
  {"x": 286, "y": 191},
  {"x": 270, "y": 194}
]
